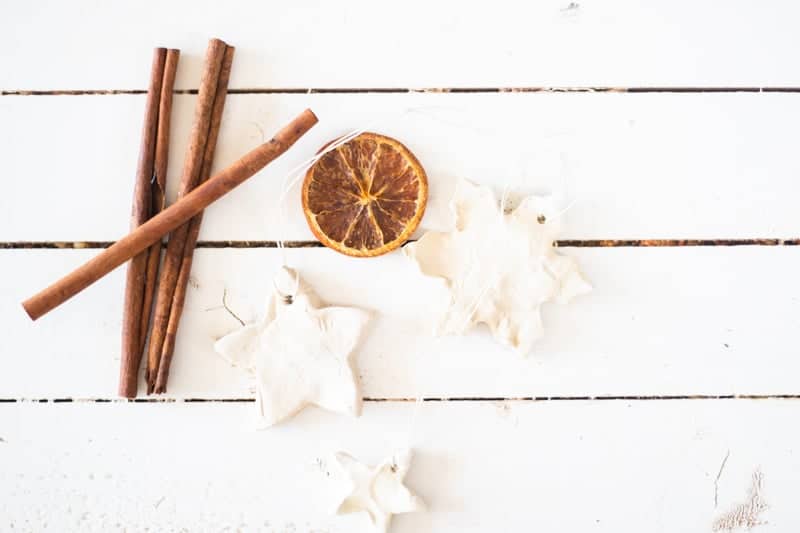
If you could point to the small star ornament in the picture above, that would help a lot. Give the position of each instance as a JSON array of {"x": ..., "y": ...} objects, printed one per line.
[
  {"x": 499, "y": 266},
  {"x": 378, "y": 490},
  {"x": 299, "y": 353}
]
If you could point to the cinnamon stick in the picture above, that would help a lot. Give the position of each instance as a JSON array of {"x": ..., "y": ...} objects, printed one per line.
[
  {"x": 179, "y": 295},
  {"x": 169, "y": 219},
  {"x": 192, "y": 169},
  {"x": 140, "y": 212},
  {"x": 158, "y": 187}
]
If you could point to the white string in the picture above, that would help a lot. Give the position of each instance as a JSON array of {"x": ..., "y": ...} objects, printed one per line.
[
  {"x": 421, "y": 111},
  {"x": 288, "y": 182},
  {"x": 412, "y": 425},
  {"x": 288, "y": 299},
  {"x": 563, "y": 211},
  {"x": 503, "y": 198},
  {"x": 471, "y": 311},
  {"x": 473, "y": 308},
  {"x": 295, "y": 174},
  {"x": 566, "y": 175}
]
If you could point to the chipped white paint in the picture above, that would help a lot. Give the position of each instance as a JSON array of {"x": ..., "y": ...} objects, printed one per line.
[
  {"x": 745, "y": 515},
  {"x": 499, "y": 265}
]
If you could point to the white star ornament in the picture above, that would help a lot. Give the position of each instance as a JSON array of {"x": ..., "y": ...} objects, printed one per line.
[
  {"x": 499, "y": 265},
  {"x": 299, "y": 352},
  {"x": 378, "y": 490}
]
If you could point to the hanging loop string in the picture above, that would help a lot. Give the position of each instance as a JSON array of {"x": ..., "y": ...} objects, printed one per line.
[
  {"x": 288, "y": 299},
  {"x": 294, "y": 176},
  {"x": 412, "y": 425}
]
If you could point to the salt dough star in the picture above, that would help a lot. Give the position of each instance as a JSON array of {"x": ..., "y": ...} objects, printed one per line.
[
  {"x": 499, "y": 266},
  {"x": 378, "y": 490},
  {"x": 300, "y": 353}
]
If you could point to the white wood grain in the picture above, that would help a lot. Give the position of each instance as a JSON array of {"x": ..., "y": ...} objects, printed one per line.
[
  {"x": 507, "y": 466},
  {"x": 314, "y": 43},
  {"x": 661, "y": 321},
  {"x": 639, "y": 166}
]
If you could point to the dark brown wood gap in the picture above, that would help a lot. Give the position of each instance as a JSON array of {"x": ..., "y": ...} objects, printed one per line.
[
  {"x": 404, "y": 90},
  {"x": 669, "y": 397},
  {"x": 655, "y": 243},
  {"x": 568, "y": 243},
  {"x": 630, "y": 398}
]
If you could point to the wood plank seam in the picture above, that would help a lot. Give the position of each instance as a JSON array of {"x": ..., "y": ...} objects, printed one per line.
[
  {"x": 433, "y": 399},
  {"x": 405, "y": 90},
  {"x": 564, "y": 243}
]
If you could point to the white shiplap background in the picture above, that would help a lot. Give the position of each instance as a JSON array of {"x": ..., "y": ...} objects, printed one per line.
[{"x": 619, "y": 421}]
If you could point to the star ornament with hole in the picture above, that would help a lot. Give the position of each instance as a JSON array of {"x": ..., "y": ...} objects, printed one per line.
[
  {"x": 378, "y": 490},
  {"x": 499, "y": 265},
  {"x": 299, "y": 353}
]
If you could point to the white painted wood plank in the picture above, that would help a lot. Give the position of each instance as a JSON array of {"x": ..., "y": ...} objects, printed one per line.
[
  {"x": 661, "y": 321},
  {"x": 515, "y": 466},
  {"x": 86, "y": 44},
  {"x": 639, "y": 166}
]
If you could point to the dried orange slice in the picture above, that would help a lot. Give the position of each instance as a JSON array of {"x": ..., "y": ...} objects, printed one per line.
[{"x": 365, "y": 197}]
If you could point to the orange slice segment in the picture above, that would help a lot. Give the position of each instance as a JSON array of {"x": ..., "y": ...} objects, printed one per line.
[{"x": 365, "y": 197}]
